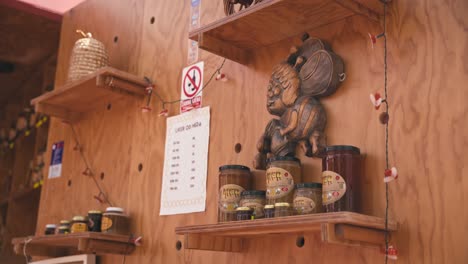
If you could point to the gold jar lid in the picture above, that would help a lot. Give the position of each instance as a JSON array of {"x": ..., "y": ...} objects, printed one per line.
[
  {"x": 245, "y": 208},
  {"x": 94, "y": 212},
  {"x": 79, "y": 218},
  {"x": 63, "y": 228},
  {"x": 269, "y": 206},
  {"x": 65, "y": 222},
  {"x": 282, "y": 205}
]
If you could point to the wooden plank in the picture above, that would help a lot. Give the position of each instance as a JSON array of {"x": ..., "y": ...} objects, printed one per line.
[
  {"x": 229, "y": 51},
  {"x": 88, "y": 242},
  {"x": 271, "y": 21},
  {"x": 292, "y": 224},
  {"x": 213, "y": 243},
  {"x": 97, "y": 89},
  {"x": 343, "y": 234}
]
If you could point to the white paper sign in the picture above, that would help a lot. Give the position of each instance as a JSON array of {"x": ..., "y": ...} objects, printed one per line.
[
  {"x": 192, "y": 86},
  {"x": 185, "y": 163}
]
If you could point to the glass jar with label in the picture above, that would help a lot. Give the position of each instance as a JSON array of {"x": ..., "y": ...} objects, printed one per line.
[
  {"x": 95, "y": 218},
  {"x": 50, "y": 229},
  {"x": 281, "y": 175},
  {"x": 79, "y": 224},
  {"x": 282, "y": 209},
  {"x": 308, "y": 198},
  {"x": 244, "y": 213},
  {"x": 341, "y": 167},
  {"x": 254, "y": 199},
  {"x": 64, "y": 230},
  {"x": 233, "y": 180},
  {"x": 115, "y": 221},
  {"x": 269, "y": 211}
]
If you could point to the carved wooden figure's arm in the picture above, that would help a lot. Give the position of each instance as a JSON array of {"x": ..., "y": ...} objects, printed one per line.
[{"x": 293, "y": 120}]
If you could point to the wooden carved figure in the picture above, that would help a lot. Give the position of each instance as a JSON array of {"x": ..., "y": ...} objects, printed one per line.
[
  {"x": 311, "y": 71},
  {"x": 230, "y": 5}
]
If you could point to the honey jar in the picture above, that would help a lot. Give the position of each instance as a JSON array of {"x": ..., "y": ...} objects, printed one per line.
[
  {"x": 308, "y": 198},
  {"x": 64, "y": 230},
  {"x": 269, "y": 211},
  {"x": 115, "y": 221},
  {"x": 95, "y": 218},
  {"x": 233, "y": 180},
  {"x": 341, "y": 167},
  {"x": 79, "y": 224},
  {"x": 281, "y": 175},
  {"x": 282, "y": 209},
  {"x": 244, "y": 213},
  {"x": 254, "y": 199},
  {"x": 50, "y": 229}
]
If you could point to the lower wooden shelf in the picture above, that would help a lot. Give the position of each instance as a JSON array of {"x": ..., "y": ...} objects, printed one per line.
[
  {"x": 64, "y": 244},
  {"x": 339, "y": 228}
]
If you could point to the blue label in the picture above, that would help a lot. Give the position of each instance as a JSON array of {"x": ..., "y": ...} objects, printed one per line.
[{"x": 57, "y": 153}]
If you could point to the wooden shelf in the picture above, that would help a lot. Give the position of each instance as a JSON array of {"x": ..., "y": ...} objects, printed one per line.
[
  {"x": 70, "y": 101},
  {"x": 339, "y": 228},
  {"x": 63, "y": 244},
  {"x": 235, "y": 37}
]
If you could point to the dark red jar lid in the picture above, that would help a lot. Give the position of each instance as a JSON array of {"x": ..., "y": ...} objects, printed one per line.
[{"x": 343, "y": 148}]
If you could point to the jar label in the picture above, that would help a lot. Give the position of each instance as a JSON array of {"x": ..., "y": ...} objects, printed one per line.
[
  {"x": 279, "y": 183},
  {"x": 229, "y": 197},
  {"x": 106, "y": 223},
  {"x": 256, "y": 205},
  {"x": 79, "y": 227},
  {"x": 333, "y": 187},
  {"x": 304, "y": 205}
]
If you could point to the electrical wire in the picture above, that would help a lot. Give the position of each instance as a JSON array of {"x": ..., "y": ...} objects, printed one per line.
[
  {"x": 386, "y": 127},
  {"x": 89, "y": 172}
]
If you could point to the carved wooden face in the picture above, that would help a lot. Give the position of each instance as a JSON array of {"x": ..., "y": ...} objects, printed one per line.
[{"x": 283, "y": 89}]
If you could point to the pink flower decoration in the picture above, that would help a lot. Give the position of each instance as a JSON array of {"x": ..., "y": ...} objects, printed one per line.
[
  {"x": 392, "y": 253},
  {"x": 221, "y": 77},
  {"x": 145, "y": 109},
  {"x": 390, "y": 175},
  {"x": 376, "y": 100},
  {"x": 164, "y": 112},
  {"x": 149, "y": 89}
]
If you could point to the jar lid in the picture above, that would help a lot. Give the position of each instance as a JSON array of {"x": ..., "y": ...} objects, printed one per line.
[
  {"x": 308, "y": 185},
  {"x": 285, "y": 158},
  {"x": 51, "y": 226},
  {"x": 282, "y": 205},
  {"x": 343, "y": 147},
  {"x": 94, "y": 212},
  {"x": 115, "y": 209},
  {"x": 79, "y": 218},
  {"x": 64, "y": 222},
  {"x": 245, "y": 208},
  {"x": 253, "y": 192},
  {"x": 63, "y": 228},
  {"x": 269, "y": 206},
  {"x": 234, "y": 167}
]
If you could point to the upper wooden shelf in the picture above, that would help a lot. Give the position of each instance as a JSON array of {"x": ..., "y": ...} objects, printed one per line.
[
  {"x": 235, "y": 37},
  {"x": 340, "y": 228},
  {"x": 73, "y": 99},
  {"x": 64, "y": 244}
]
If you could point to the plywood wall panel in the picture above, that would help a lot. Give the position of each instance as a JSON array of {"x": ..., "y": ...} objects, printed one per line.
[{"x": 427, "y": 69}]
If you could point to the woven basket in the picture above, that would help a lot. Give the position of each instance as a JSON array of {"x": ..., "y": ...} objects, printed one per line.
[{"x": 88, "y": 55}]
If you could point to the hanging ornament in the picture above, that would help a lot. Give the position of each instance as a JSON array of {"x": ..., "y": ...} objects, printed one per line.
[
  {"x": 137, "y": 241},
  {"x": 384, "y": 118},
  {"x": 390, "y": 175},
  {"x": 164, "y": 112},
  {"x": 87, "y": 172},
  {"x": 221, "y": 77},
  {"x": 145, "y": 109},
  {"x": 376, "y": 100},
  {"x": 373, "y": 38},
  {"x": 392, "y": 252}
]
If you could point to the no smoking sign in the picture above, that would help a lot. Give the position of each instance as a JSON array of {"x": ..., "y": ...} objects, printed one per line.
[{"x": 192, "y": 86}]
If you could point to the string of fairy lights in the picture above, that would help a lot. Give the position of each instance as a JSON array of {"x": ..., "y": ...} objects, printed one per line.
[{"x": 390, "y": 173}]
